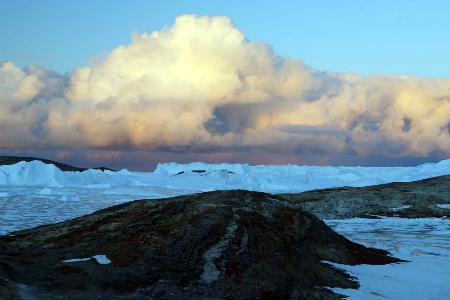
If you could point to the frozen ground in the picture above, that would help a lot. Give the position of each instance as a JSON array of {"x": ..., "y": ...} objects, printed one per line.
[
  {"x": 34, "y": 193},
  {"x": 425, "y": 243}
]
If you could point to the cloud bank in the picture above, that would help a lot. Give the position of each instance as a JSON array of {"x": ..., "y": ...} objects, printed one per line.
[{"x": 200, "y": 86}]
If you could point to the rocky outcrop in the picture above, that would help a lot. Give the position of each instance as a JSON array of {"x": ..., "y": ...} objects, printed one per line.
[
  {"x": 403, "y": 199},
  {"x": 10, "y": 160},
  {"x": 217, "y": 245}
]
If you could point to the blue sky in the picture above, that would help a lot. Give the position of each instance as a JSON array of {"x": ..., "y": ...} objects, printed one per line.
[{"x": 366, "y": 37}]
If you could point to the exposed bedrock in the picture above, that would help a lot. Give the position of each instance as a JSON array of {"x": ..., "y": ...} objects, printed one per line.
[{"x": 225, "y": 244}]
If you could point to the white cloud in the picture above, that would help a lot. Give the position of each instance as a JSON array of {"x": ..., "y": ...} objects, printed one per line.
[{"x": 200, "y": 85}]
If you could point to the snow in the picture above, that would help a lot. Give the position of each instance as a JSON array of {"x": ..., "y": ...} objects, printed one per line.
[
  {"x": 403, "y": 207},
  {"x": 101, "y": 259},
  {"x": 34, "y": 193},
  {"x": 425, "y": 243}
]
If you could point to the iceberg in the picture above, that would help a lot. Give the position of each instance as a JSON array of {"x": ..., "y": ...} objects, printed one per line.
[{"x": 200, "y": 176}]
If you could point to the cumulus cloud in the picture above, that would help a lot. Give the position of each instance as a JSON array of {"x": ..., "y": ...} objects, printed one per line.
[
  {"x": 201, "y": 86},
  {"x": 26, "y": 96}
]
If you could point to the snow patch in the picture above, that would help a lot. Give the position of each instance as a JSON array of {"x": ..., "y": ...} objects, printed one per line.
[
  {"x": 444, "y": 206},
  {"x": 403, "y": 207},
  {"x": 423, "y": 243},
  {"x": 101, "y": 259}
]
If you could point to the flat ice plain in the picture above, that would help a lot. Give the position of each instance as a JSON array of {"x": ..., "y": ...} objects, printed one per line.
[
  {"x": 425, "y": 243},
  {"x": 35, "y": 193}
]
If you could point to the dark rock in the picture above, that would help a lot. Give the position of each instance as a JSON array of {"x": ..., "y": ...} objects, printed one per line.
[
  {"x": 10, "y": 160},
  {"x": 379, "y": 200},
  {"x": 7, "y": 290},
  {"x": 226, "y": 244}
]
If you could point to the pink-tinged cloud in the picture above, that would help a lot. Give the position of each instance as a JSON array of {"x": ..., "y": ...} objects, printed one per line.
[{"x": 201, "y": 87}]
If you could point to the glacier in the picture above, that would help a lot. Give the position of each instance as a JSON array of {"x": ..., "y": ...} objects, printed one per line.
[{"x": 206, "y": 177}]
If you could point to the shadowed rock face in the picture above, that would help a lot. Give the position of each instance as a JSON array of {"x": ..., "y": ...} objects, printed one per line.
[
  {"x": 418, "y": 199},
  {"x": 10, "y": 160},
  {"x": 226, "y": 244}
]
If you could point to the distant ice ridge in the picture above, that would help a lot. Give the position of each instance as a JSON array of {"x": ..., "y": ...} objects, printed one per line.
[
  {"x": 198, "y": 177},
  {"x": 295, "y": 178},
  {"x": 175, "y": 168}
]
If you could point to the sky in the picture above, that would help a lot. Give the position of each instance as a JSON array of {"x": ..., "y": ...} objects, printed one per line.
[
  {"x": 365, "y": 37},
  {"x": 315, "y": 82}
]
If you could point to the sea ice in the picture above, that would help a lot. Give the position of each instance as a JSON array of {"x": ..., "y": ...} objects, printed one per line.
[{"x": 424, "y": 243}]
